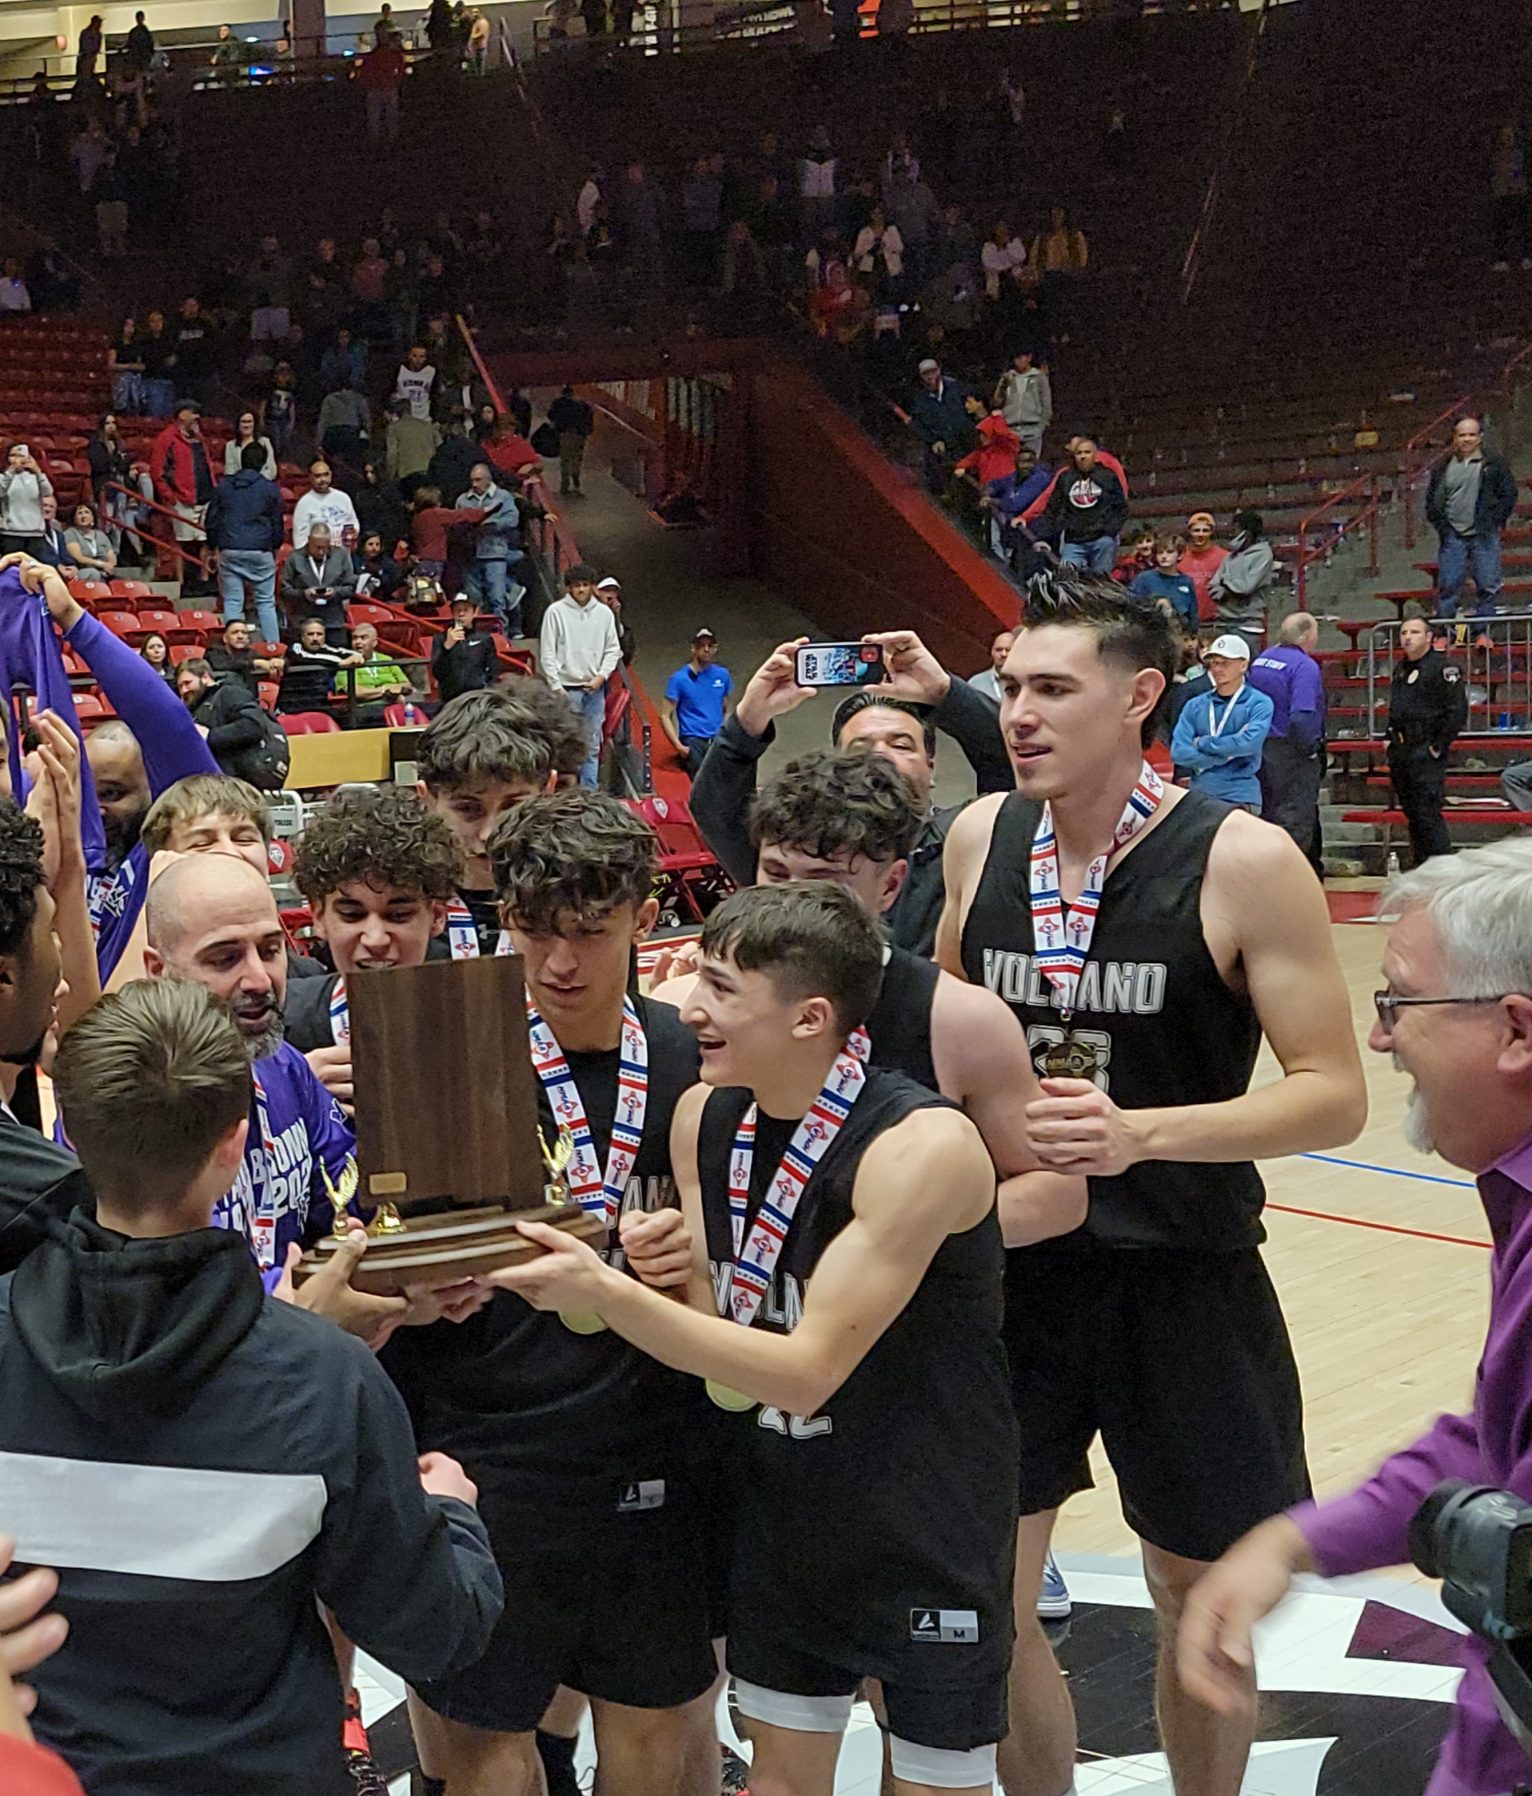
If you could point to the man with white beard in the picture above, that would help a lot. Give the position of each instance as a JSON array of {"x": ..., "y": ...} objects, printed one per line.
[{"x": 1456, "y": 1015}]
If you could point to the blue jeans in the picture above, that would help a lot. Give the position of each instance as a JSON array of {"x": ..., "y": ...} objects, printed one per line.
[
  {"x": 1452, "y": 569},
  {"x": 1098, "y": 556},
  {"x": 159, "y": 397},
  {"x": 257, "y": 569},
  {"x": 488, "y": 585},
  {"x": 591, "y": 707}
]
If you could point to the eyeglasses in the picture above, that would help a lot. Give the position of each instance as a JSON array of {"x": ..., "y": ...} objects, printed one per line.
[{"x": 1388, "y": 1006}]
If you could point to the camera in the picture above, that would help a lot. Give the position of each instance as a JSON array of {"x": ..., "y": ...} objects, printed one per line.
[{"x": 1478, "y": 1541}]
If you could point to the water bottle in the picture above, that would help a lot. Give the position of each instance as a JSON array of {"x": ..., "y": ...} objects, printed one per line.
[
  {"x": 1392, "y": 867},
  {"x": 409, "y": 714}
]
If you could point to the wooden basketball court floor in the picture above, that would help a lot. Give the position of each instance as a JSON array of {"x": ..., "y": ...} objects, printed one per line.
[{"x": 1380, "y": 1257}]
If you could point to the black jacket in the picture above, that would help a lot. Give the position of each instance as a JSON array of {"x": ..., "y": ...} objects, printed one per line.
[
  {"x": 1496, "y": 501},
  {"x": 231, "y": 1462},
  {"x": 245, "y": 512},
  {"x": 724, "y": 787},
  {"x": 572, "y": 415},
  {"x": 1085, "y": 506},
  {"x": 40, "y": 1184},
  {"x": 237, "y": 736},
  {"x": 1427, "y": 704},
  {"x": 468, "y": 666}
]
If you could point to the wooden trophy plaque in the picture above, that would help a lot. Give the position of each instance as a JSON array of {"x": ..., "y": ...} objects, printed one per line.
[{"x": 448, "y": 1150}]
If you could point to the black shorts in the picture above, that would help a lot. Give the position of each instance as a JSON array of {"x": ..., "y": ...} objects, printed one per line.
[
  {"x": 617, "y": 1612},
  {"x": 1181, "y": 1363},
  {"x": 949, "y": 1719}
]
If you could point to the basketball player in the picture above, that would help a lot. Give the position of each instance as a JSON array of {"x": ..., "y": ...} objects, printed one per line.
[
  {"x": 481, "y": 755},
  {"x": 846, "y": 1217},
  {"x": 581, "y": 1445},
  {"x": 1146, "y": 937},
  {"x": 378, "y": 870},
  {"x": 851, "y": 819}
]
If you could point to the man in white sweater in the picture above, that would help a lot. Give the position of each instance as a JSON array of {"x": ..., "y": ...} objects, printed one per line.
[
  {"x": 579, "y": 651},
  {"x": 324, "y": 503}
]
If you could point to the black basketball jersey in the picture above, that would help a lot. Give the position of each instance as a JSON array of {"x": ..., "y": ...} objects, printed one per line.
[
  {"x": 900, "y": 1024},
  {"x": 1151, "y": 1009},
  {"x": 882, "y": 1530},
  {"x": 537, "y": 1413}
]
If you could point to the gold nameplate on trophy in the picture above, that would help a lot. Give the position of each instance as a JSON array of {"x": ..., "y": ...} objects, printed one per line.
[{"x": 448, "y": 1149}]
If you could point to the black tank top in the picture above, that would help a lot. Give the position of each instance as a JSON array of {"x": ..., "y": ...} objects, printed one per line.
[
  {"x": 1152, "y": 1007},
  {"x": 900, "y": 1024},
  {"x": 894, "y": 1506},
  {"x": 538, "y": 1414}
]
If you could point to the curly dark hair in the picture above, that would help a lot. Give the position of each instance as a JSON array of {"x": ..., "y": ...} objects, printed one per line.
[
  {"x": 383, "y": 835},
  {"x": 572, "y": 854},
  {"x": 21, "y": 873},
  {"x": 811, "y": 940},
  {"x": 838, "y": 805},
  {"x": 1132, "y": 634},
  {"x": 519, "y": 730}
]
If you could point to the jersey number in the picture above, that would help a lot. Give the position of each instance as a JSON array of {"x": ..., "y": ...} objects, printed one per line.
[
  {"x": 1092, "y": 1042},
  {"x": 798, "y": 1428}
]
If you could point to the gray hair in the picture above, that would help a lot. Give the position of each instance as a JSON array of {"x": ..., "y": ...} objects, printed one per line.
[
  {"x": 1297, "y": 626},
  {"x": 1480, "y": 904}
]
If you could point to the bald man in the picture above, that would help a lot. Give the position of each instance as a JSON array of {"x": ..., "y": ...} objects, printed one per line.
[
  {"x": 1292, "y": 760},
  {"x": 212, "y": 919}
]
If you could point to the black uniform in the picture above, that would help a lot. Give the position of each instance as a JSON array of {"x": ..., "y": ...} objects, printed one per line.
[
  {"x": 1427, "y": 707},
  {"x": 877, "y": 1538},
  {"x": 582, "y": 1450},
  {"x": 900, "y": 1023},
  {"x": 1154, "y": 1322}
]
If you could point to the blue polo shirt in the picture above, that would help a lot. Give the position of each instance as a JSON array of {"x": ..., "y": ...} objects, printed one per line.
[{"x": 699, "y": 698}]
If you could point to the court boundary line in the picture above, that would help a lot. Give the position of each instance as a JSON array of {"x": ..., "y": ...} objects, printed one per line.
[
  {"x": 1386, "y": 1228},
  {"x": 1393, "y": 1172}
]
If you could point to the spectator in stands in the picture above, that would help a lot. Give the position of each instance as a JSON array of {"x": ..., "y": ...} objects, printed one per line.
[
  {"x": 196, "y": 350},
  {"x": 1470, "y": 497},
  {"x": 988, "y": 681},
  {"x": 279, "y": 409},
  {"x": 125, "y": 364},
  {"x": 817, "y": 180},
  {"x": 1060, "y": 256},
  {"x": 1135, "y": 556},
  {"x": 379, "y": 677},
  {"x": 839, "y": 307},
  {"x": 15, "y": 295},
  {"x": 231, "y": 719},
  {"x": 247, "y": 430},
  {"x": 156, "y": 351},
  {"x": 379, "y": 509},
  {"x": 609, "y": 591},
  {"x": 309, "y": 669},
  {"x": 51, "y": 549},
  {"x": 1005, "y": 501},
  {"x": 1164, "y": 583},
  {"x": 939, "y": 417},
  {"x": 345, "y": 423},
  {"x": 235, "y": 657},
  {"x": 1086, "y": 511},
  {"x": 697, "y": 701},
  {"x": 380, "y": 74},
  {"x": 324, "y": 503},
  {"x": 994, "y": 458},
  {"x": 88, "y": 546},
  {"x": 156, "y": 651},
  {"x": 1220, "y": 734},
  {"x": 109, "y": 195},
  {"x": 378, "y": 576},
  {"x": 271, "y": 273},
  {"x": 1239, "y": 582},
  {"x": 244, "y": 526},
  {"x": 415, "y": 382},
  {"x": 1508, "y": 200},
  {"x": 1025, "y": 399},
  {"x": 1003, "y": 258},
  {"x": 1191, "y": 678},
  {"x": 318, "y": 581},
  {"x": 23, "y": 487},
  {"x": 430, "y": 522},
  {"x": 878, "y": 253},
  {"x": 1201, "y": 559},
  {"x": 452, "y": 465},
  {"x": 344, "y": 362},
  {"x": 463, "y": 657},
  {"x": 573, "y": 420},
  {"x": 184, "y": 482},
  {"x": 1292, "y": 760},
  {"x": 410, "y": 442},
  {"x": 491, "y": 580},
  {"x": 138, "y": 49},
  {"x": 579, "y": 651}
]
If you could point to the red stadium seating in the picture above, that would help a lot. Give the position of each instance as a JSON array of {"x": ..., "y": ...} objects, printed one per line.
[{"x": 308, "y": 723}]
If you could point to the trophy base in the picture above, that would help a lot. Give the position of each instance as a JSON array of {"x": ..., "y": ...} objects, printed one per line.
[{"x": 444, "y": 1250}]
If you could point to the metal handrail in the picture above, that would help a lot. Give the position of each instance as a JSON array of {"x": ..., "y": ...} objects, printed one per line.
[
  {"x": 1234, "y": 118},
  {"x": 197, "y": 561},
  {"x": 1501, "y": 666},
  {"x": 1365, "y": 514}
]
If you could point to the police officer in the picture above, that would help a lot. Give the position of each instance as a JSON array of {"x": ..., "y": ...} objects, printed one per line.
[{"x": 1427, "y": 707}]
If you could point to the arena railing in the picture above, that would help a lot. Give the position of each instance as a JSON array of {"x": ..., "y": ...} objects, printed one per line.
[
  {"x": 1431, "y": 440},
  {"x": 1495, "y": 654},
  {"x": 1354, "y": 507}
]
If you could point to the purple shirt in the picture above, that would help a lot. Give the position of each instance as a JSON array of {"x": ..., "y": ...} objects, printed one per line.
[
  {"x": 1292, "y": 681},
  {"x": 1493, "y": 1445}
]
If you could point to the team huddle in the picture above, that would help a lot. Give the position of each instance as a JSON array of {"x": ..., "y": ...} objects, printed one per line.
[{"x": 905, "y": 1204}]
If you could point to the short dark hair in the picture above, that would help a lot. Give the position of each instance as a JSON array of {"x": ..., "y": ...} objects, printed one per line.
[
  {"x": 21, "y": 873},
  {"x": 811, "y": 939},
  {"x": 149, "y": 1080},
  {"x": 303, "y": 623},
  {"x": 253, "y": 455},
  {"x": 382, "y": 835},
  {"x": 867, "y": 698},
  {"x": 1132, "y": 634},
  {"x": 519, "y": 730},
  {"x": 580, "y": 575},
  {"x": 834, "y": 804},
  {"x": 571, "y": 854}
]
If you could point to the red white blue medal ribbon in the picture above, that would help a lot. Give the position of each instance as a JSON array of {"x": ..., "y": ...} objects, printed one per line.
[
  {"x": 462, "y": 937},
  {"x": 263, "y": 1184},
  {"x": 755, "y": 1258},
  {"x": 340, "y": 1013},
  {"x": 599, "y": 1195},
  {"x": 1061, "y": 939}
]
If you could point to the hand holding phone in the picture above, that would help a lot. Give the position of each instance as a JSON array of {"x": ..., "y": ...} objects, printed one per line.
[{"x": 839, "y": 664}]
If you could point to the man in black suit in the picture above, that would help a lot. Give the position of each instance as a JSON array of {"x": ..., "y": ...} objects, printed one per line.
[{"x": 318, "y": 580}]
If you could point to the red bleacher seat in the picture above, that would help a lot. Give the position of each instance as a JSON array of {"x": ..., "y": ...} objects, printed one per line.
[
  {"x": 184, "y": 651},
  {"x": 267, "y": 691},
  {"x": 120, "y": 623},
  {"x": 92, "y": 594},
  {"x": 89, "y": 709},
  {"x": 308, "y": 723},
  {"x": 364, "y": 611},
  {"x": 691, "y": 881},
  {"x": 198, "y": 618},
  {"x": 161, "y": 623},
  {"x": 394, "y": 717}
]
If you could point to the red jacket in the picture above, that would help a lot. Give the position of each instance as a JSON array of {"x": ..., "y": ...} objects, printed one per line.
[
  {"x": 173, "y": 465},
  {"x": 995, "y": 456},
  {"x": 1040, "y": 504},
  {"x": 382, "y": 70},
  {"x": 27, "y": 1770}
]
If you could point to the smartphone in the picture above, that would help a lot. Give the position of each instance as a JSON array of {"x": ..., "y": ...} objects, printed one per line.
[{"x": 839, "y": 664}]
